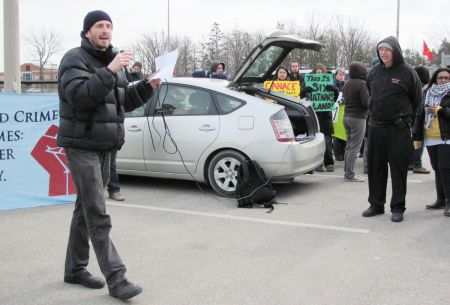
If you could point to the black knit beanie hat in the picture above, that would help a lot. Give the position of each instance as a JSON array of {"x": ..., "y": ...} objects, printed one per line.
[{"x": 93, "y": 17}]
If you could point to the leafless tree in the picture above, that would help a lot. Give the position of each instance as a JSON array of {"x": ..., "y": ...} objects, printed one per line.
[
  {"x": 214, "y": 47},
  {"x": 356, "y": 43},
  {"x": 314, "y": 29},
  {"x": 345, "y": 41},
  {"x": 44, "y": 43},
  {"x": 186, "y": 58},
  {"x": 155, "y": 44},
  {"x": 238, "y": 45},
  {"x": 149, "y": 47}
]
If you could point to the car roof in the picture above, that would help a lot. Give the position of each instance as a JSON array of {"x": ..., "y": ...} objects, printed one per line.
[
  {"x": 218, "y": 85},
  {"x": 206, "y": 83}
]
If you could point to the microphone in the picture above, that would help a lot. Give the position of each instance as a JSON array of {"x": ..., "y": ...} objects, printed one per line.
[{"x": 116, "y": 50}]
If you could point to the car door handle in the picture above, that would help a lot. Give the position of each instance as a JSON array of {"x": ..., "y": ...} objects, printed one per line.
[
  {"x": 207, "y": 127},
  {"x": 134, "y": 128}
]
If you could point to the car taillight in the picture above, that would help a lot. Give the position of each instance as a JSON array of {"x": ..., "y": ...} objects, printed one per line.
[{"x": 282, "y": 126}]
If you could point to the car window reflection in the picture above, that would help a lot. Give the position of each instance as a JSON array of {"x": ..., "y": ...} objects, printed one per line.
[
  {"x": 138, "y": 112},
  {"x": 178, "y": 100},
  {"x": 227, "y": 103}
]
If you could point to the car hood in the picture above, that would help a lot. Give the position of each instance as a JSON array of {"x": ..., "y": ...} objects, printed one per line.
[{"x": 266, "y": 56}]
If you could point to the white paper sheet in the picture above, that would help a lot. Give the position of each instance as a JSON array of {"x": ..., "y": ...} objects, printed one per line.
[{"x": 165, "y": 65}]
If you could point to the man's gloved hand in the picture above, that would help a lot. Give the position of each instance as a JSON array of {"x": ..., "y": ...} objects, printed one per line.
[
  {"x": 417, "y": 144},
  {"x": 330, "y": 88},
  {"x": 307, "y": 90}
]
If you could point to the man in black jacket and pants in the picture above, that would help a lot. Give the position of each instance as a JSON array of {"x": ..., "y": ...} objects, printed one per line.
[
  {"x": 395, "y": 93},
  {"x": 94, "y": 95}
]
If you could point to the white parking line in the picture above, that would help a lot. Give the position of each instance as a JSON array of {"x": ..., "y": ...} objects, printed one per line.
[
  {"x": 224, "y": 216},
  {"x": 365, "y": 178}
]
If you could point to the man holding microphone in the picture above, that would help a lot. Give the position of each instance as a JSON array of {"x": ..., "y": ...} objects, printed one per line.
[{"x": 94, "y": 95}]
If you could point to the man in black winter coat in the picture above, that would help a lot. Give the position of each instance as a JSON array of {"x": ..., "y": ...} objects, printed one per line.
[
  {"x": 94, "y": 95},
  {"x": 395, "y": 93}
]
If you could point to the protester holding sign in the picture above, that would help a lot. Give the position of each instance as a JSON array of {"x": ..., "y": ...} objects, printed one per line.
[
  {"x": 282, "y": 73},
  {"x": 339, "y": 135},
  {"x": 320, "y": 89},
  {"x": 283, "y": 84},
  {"x": 322, "y": 96},
  {"x": 94, "y": 95}
]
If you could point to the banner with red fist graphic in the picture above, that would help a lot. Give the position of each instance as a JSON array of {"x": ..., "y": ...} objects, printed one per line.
[{"x": 33, "y": 170}]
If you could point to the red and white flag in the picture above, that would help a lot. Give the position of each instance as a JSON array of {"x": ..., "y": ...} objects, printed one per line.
[{"x": 427, "y": 52}]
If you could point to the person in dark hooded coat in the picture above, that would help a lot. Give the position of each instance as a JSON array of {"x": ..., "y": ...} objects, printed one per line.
[
  {"x": 415, "y": 161},
  {"x": 217, "y": 71},
  {"x": 395, "y": 93},
  {"x": 356, "y": 99},
  {"x": 325, "y": 119}
]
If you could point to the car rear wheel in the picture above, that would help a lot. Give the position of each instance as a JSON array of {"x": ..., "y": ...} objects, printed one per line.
[{"x": 223, "y": 171}]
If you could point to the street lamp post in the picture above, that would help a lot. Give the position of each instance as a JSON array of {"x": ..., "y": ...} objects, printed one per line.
[
  {"x": 11, "y": 45},
  {"x": 398, "y": 19},
  {"x": 168, "y": 25}
]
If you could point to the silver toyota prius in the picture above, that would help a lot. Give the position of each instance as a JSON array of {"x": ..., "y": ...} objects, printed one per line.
[{"x": 202, "y": 129}]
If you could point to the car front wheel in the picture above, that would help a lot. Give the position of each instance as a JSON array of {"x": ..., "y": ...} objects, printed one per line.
[{"x": 223, "y": 171}]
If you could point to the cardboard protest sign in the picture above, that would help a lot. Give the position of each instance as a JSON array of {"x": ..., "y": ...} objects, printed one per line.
[
  {"x": 338, "y": 125},
  {"x": 321, "y": 99},
  {"x": 291, "y": 88}
]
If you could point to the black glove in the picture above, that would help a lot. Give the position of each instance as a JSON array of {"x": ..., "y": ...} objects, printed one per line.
[
  {"x": 307, "y": 90},
  {"x": 330, "y": 88}
]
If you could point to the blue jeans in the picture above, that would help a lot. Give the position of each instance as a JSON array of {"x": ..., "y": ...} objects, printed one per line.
[{"x": 90, "y": 172}]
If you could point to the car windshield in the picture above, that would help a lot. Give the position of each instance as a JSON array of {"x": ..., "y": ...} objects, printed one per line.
[{"x": 264, "y": 61}]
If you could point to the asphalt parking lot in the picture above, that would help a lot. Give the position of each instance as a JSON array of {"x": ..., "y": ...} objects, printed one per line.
[{"x": 187, "y": 246}]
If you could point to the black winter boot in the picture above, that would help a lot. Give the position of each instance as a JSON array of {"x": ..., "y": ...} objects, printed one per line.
[
  {"x": 439, "y": 204},
  {"x": 372, "y": 211},
  {"x": 447, "y": 210}
]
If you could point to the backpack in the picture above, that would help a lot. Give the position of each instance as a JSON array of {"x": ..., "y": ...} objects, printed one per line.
[{"x": 253, "y": 188}]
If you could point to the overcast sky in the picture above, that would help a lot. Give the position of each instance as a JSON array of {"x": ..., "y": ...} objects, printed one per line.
[{"x": 418, "y": 19}]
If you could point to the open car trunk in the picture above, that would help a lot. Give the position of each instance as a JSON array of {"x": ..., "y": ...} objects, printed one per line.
[
  {"x": 260, "y": 66},
  {"x": 301, "y": 113}
]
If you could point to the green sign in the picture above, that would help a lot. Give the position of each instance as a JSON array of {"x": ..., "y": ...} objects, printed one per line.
[{"x": 321, "y": 99}]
